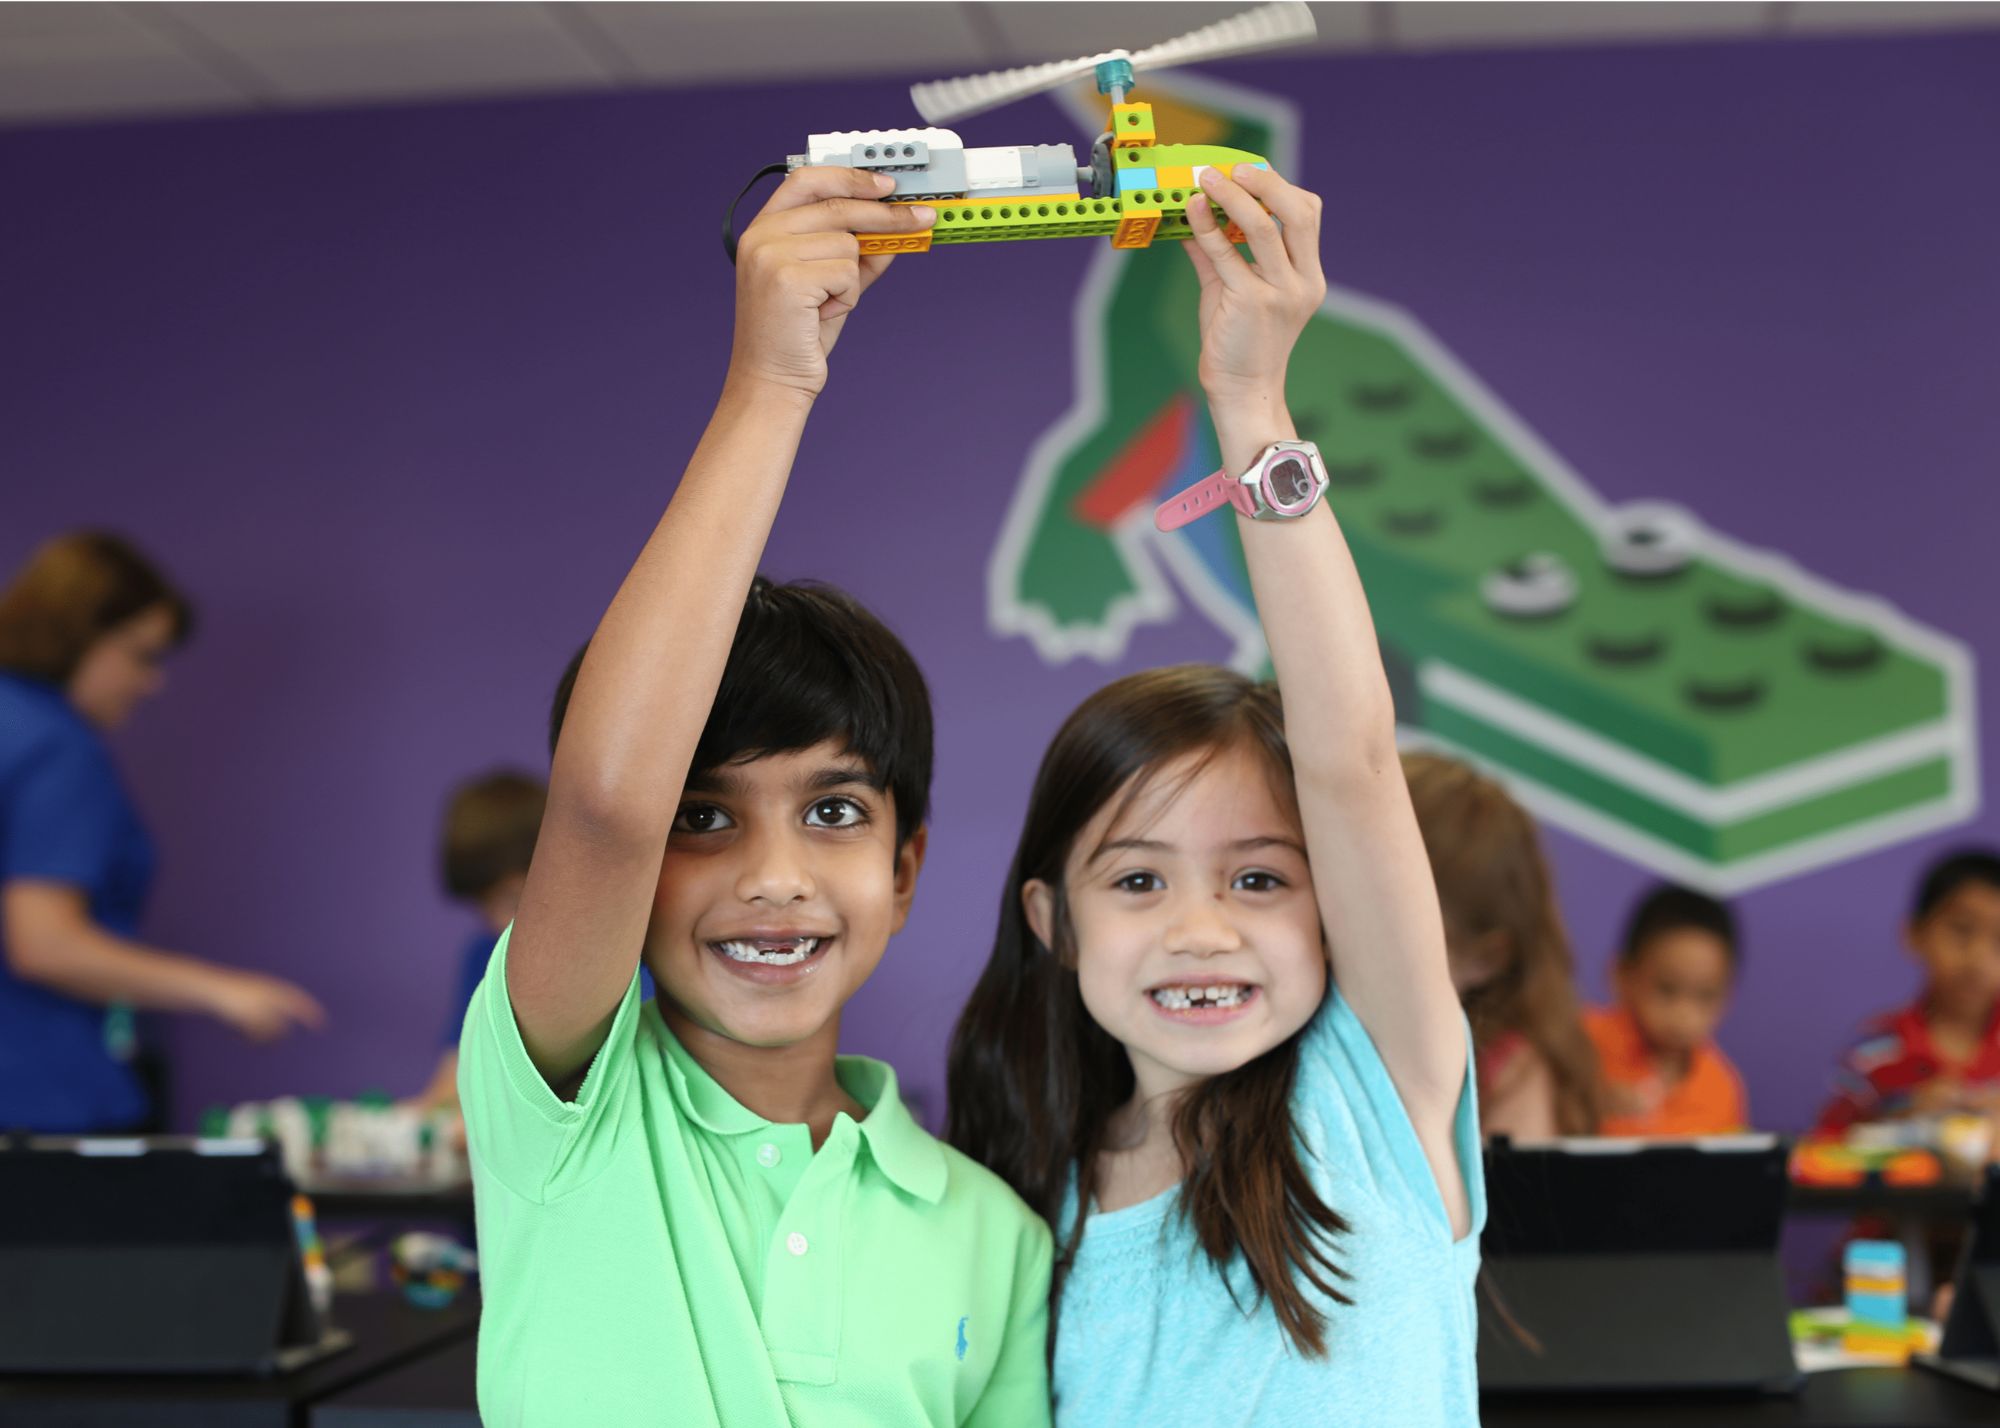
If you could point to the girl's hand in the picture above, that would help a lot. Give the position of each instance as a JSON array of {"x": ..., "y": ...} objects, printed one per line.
[
  {"x": 800, "y": 271},
  {"x": 1252, "y": 312}
]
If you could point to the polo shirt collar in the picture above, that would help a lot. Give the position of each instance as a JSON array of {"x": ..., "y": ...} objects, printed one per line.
[
  {"x": 699, "y": 1095},
  {"x": 905, "y": 1152},
  {"x": 901, "y": 1149}
]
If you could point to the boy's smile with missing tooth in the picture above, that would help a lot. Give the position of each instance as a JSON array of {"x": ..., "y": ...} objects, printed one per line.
[{"x": 781, "y": 887}]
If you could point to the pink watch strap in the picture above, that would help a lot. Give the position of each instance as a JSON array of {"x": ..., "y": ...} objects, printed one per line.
[{"x": 1201, "y": 498}]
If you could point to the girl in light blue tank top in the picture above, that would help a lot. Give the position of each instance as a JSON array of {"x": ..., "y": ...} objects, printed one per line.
[{"x": 1217, "y": 1044}]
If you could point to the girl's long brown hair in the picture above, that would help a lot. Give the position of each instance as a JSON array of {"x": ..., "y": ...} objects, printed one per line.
[
  {"x": 1033, "y": 1081},
  {"x": 1491, "y": 877}
]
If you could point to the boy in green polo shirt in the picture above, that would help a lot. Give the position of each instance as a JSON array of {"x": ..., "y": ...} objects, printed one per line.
[{"x": 692, "y": 1212}]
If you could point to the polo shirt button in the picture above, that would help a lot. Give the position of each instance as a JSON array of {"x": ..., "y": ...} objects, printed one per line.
[
  {"x": 769, "y": 1155},
  {"x": 795, "y": 1242}
]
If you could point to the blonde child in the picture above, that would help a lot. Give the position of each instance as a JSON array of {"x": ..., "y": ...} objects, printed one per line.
[{"x": 1510, "y": 955}]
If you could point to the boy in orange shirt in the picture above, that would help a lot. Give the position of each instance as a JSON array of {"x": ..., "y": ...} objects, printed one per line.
[{"x": 1663, "y": 1073}]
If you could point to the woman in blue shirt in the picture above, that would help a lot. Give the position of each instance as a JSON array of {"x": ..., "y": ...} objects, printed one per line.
[{"x": 84, "y": 629}]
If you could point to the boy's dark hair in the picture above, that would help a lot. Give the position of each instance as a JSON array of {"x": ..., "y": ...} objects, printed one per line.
[
  {"x": 1668, "y": 908},
  {"x": 1952, "y": 871},
  {"x": 489, "y": 830},
  {"x": 810, "y": 663}
]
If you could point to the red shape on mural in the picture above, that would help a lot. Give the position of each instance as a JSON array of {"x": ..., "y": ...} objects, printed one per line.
[{"x": 1133, "y": 476}]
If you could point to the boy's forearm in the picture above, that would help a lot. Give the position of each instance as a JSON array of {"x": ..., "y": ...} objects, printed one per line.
[{"x": 644, "y": 690}]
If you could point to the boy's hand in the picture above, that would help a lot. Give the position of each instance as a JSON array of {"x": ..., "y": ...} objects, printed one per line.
[
  {"x": 1938, "y": 1095},
  {"x": 800, "y": 271},
  {"x": 1252, "y": 312},
  {"x": 1641, "y": 1098}
]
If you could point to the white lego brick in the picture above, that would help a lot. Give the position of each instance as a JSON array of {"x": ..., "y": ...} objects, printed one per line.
[
  {"x": 992, "y": 168},
  {"x": 838, "y": 148}
]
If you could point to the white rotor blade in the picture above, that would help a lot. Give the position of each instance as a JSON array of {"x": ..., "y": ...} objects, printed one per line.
[
  {"x": 944, "y": 100},
  {"x": 1267, "y": 26}
]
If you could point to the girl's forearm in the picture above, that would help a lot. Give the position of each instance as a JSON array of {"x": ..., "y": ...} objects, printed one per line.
[
  {"x": 1372, "y": 877},
  {"x": 1313, "y": 609}
]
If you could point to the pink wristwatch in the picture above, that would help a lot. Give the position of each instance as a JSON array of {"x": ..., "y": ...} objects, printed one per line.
[{"x": 1282, "y": 484}]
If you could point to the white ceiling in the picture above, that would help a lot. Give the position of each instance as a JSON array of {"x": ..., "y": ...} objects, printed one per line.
[{"x": 99, "y": 59}]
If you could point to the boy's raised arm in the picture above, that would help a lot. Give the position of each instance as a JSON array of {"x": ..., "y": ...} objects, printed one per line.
[
  {"x": 645, "y": 688},
  {"x": 1370, "y": 873}
]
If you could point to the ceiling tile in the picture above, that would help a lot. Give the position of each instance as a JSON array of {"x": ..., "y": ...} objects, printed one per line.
[
  {"x": 1899, "y": 15},
  {"x": 45, "y": 23},
  {"x": 323, "y": 52},
  {"x": 1347, "y": 25},
  {"x": 60, "y": 61},
  {"x": 697, "y": 43},
  {"x": 1530, "y": 23},
  {"x": 1031, "y": 33}
]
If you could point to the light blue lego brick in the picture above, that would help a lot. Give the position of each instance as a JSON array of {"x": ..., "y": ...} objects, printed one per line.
[
  {"x": 1129, "y": 179},
  {"x": 1882, "y": 1311},
  {"x": 1877, "y": 1259}
]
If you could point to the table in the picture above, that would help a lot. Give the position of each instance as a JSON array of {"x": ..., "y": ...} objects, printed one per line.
[
  {"x": 1947, "y": 1200},
  {"x": 388, "y": 1333},
  {"x": 435, "y": 1391},
  {"x": 1838, "y": 1398},
  {"x": 400, "y": 1202}
]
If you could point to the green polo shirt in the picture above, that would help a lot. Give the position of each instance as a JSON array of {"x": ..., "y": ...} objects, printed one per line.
[{"x": 654, "y": 1253}]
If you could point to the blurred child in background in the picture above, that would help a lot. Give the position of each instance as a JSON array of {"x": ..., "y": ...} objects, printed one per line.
[
  {"x": 1940, "y": 1054},
  {"x": 489, "y": 837},
  {"x": 1663, "y": 1072},
  {"x": 1510, "y": 957}
]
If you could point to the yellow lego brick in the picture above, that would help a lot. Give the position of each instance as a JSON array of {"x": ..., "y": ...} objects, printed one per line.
[
  {"x": 1174, "y": 175},
  {"x": 1875, "y": 1341},
  {"x": 895, "y": 242},
  {"x": 1135, "y": 230},
  {"x": 1014, "y": 197},
  {"x": 1132, "y": 126},
  {"x": 1867, "y": 1284}
]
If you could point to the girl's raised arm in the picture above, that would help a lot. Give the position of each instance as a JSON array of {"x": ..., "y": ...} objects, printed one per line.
[{"x": 1378, "y": 904}]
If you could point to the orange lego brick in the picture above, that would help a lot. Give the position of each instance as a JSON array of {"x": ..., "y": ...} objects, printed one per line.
[
  {"x": 895, "y": 242},
  {"x": 1132, "y": 126},
  {"x": 1135, "y": 230}
]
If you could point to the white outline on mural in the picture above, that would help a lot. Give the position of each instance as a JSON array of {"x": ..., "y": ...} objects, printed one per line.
[{"x": 1157, "y": 563}]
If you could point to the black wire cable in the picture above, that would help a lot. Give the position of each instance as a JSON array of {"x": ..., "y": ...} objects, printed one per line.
[{"x": 729, "y": 218}]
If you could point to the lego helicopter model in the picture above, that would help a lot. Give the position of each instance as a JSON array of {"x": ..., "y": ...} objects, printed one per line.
[{"x": 1134, "y": 189}]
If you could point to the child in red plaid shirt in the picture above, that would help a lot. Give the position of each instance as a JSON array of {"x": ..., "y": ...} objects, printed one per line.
[{"x": 1941, "y": 1053}]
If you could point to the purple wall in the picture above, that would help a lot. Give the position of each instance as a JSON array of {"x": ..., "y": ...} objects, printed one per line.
[{"x": 398, "y": 393}]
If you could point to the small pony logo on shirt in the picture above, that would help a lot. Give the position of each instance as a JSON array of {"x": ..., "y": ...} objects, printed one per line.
[{"x": 962, "y": 1345}]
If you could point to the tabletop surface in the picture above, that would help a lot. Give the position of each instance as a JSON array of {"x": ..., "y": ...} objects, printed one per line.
[
  {"x": 388, "y": 1333},
  {"x": 437, "y": 1391}
]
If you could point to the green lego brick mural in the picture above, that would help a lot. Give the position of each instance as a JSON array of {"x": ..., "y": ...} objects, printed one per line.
[{"x": 1710, "y": 711}]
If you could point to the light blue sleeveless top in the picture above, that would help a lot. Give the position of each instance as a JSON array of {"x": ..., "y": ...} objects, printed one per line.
[{"x": 1148, "y": 1336}]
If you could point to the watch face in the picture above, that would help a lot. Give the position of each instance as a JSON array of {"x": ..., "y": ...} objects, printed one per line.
[{"x": 1288, "y": 485}]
